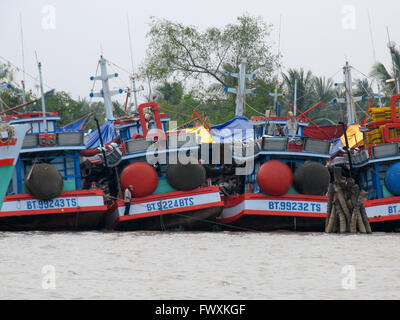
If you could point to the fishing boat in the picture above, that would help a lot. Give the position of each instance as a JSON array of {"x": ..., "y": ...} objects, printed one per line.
[
  {"x": 11, "y": 138},
  {"x": 45, "y": 192},
  {"x": 138, "y": 150},
  {"x": 287, "y": 188},
  {"x": 376, "y": 165}
]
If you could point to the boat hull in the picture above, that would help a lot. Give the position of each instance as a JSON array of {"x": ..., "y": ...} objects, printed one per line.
[
  {"x": 193, "y": 210},
  {"x": 260, "y": 212},
  {"x": 73, "y": 210}
]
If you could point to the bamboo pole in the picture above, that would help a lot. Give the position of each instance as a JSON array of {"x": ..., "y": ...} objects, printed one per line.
[{"x": 345, "y": 207}]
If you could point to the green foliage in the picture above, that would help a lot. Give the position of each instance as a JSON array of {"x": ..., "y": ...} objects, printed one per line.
[
  {"x": 183, "y": 52},
  {"x": 381, "y": 73}
]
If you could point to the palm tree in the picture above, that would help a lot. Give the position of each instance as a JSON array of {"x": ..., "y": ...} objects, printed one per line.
[
  {"x": 383, "y": 74},
  {"x": 304, "y": 87},
  {"x": 323, "y": 89}
]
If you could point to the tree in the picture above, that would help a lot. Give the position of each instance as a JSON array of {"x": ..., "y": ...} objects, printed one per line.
[
  {"x": 183, "y": 52},
  {"x": 383, "y": 74},
  {"x": 305, "y": 82}
]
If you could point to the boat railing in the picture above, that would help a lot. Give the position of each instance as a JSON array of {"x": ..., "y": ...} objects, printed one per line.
[
  {"x": 56, "y": 139},
  {"x": 140, "y": 145},
  {"x": 295, "y": 144}
]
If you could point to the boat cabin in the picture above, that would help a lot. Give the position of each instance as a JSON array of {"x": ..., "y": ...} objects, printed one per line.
[{"x": 59, "y": 147}]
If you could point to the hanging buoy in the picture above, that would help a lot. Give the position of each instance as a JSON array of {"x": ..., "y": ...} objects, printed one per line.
[
  {"x": 44, "y": 181},
  {"x": 312, "y": 178},
  {"x": 274, "y": 178},
  {"x": 392, "y": 179},
  {"x": 141, "y": 176},
  {"x": 186, "y": 176}
]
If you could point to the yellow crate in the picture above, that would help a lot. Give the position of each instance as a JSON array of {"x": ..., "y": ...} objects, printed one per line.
[{"x": 382, "y": 114}]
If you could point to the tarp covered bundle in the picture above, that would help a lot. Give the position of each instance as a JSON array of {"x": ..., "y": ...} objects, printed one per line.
[
  {"x": 108, "y": 134},
  {"x": 202, "y": 134},
  {"x": 355, "y": 139},
  {"x": 239, "y": 129}
]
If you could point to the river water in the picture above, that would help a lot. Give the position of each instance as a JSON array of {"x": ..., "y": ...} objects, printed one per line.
[{"x": 215, "y": 265}]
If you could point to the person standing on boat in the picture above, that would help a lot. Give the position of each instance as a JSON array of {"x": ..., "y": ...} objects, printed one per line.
[
  {"x": 127, "y": 199},
  {"x": 291, "y": 125}
]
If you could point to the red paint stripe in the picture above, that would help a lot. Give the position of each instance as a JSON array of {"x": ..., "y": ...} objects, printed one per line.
[
  {"x": 384, "y": 218},
  {"x": 169, "y": 211},
  {"x": 6, "y": 162},
  {"x": 172, "y": 195},
  {"x": 52, "y": 211},
  {"x": 165, "y": 212},
  {"x": 271, "y": 214},
  {"x": 233, "y": 201},
  {"x": 379, "y": 202}
]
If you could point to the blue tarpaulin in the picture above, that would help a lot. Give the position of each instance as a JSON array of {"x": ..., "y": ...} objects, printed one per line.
[
  {"x": 238, "y": 129},
  {"x": 107, "y": 133},
  {"x": 74, "y": 126}
]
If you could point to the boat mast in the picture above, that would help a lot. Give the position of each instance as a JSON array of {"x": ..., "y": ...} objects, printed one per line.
[
  {"x": 348, "y": 85},
  {"x": 43, "y": 98},
  {"x": 276, "y": 94},
  {"x": 133, "y": 72},
  {"x": 391, "y": 45},
  {"x": 23, "y": 62},
  {"x": 105, "y": 93},
  {"x": 149, "y": 83},
  {"x": 241, "y": 90},
  {"x": 295, "y": 97}
]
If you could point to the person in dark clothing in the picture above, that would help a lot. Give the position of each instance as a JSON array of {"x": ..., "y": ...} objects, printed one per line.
[{"x": 127, "y": 199}]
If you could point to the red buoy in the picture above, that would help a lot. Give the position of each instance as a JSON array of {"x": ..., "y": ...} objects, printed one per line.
[
  {"x": 274, "y": 178},
  {"x": 141, "y": 176}
]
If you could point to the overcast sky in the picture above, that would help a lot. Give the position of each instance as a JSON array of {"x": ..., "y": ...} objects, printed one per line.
[{"x": 317, "y": 35}]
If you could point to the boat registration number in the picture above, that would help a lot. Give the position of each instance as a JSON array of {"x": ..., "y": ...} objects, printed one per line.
[
  {"x": 50, "y": 204},
  {"x": 169, "y": 204},
  {"x": 294, "y": 206}
]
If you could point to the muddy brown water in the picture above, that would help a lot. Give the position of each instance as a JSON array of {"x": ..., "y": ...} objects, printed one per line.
[{"x": 215, "y": 265}]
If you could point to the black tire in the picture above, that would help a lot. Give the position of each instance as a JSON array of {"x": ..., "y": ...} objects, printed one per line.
[
  {"x": 186, "y": 177},
  {"x": 312, "y": 178},
  {"x": 44, "y": 182}
]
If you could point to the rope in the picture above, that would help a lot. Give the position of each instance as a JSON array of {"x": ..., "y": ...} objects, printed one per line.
[
  {"x": 10, "y": 131},
  {"x": 163, "y": 227},
  {"x": 254, "y": 109},
  {"x": 94, "y": 82},
  {"x": 24, "y": 72}
]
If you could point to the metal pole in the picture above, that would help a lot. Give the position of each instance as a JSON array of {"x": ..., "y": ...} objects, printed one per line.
[
  {"x": 106, "y": 90},
  {"x": 241, "y": 94},
  {"x": 276, "y": 97},
  {"x": 351, "y": 116},
  {"x": 148, "y": 80},
  {"x": 23, "y": 60},
  {"x": 43, "y": 98},
  {"x": 295, "y": 97},
  {"x": 347, "y": 146},
  {"x": 134, "y": 93},
  {"x": 101, "y": 142},
  {"x": 398, "y": 90}
]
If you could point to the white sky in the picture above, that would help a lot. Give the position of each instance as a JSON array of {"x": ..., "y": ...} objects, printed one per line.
[{"x": 313, "y": 36}]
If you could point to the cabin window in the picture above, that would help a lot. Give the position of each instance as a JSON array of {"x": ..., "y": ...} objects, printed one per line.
[
  {"x": 50, "y": 126},
  {"x": 35, "y": 127},
  {"x": 65, "y": 164}
]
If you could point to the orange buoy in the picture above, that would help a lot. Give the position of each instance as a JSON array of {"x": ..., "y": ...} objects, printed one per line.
[
  {"x": 274, "y": 178},
  {"x": 141, "y": 176}
]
